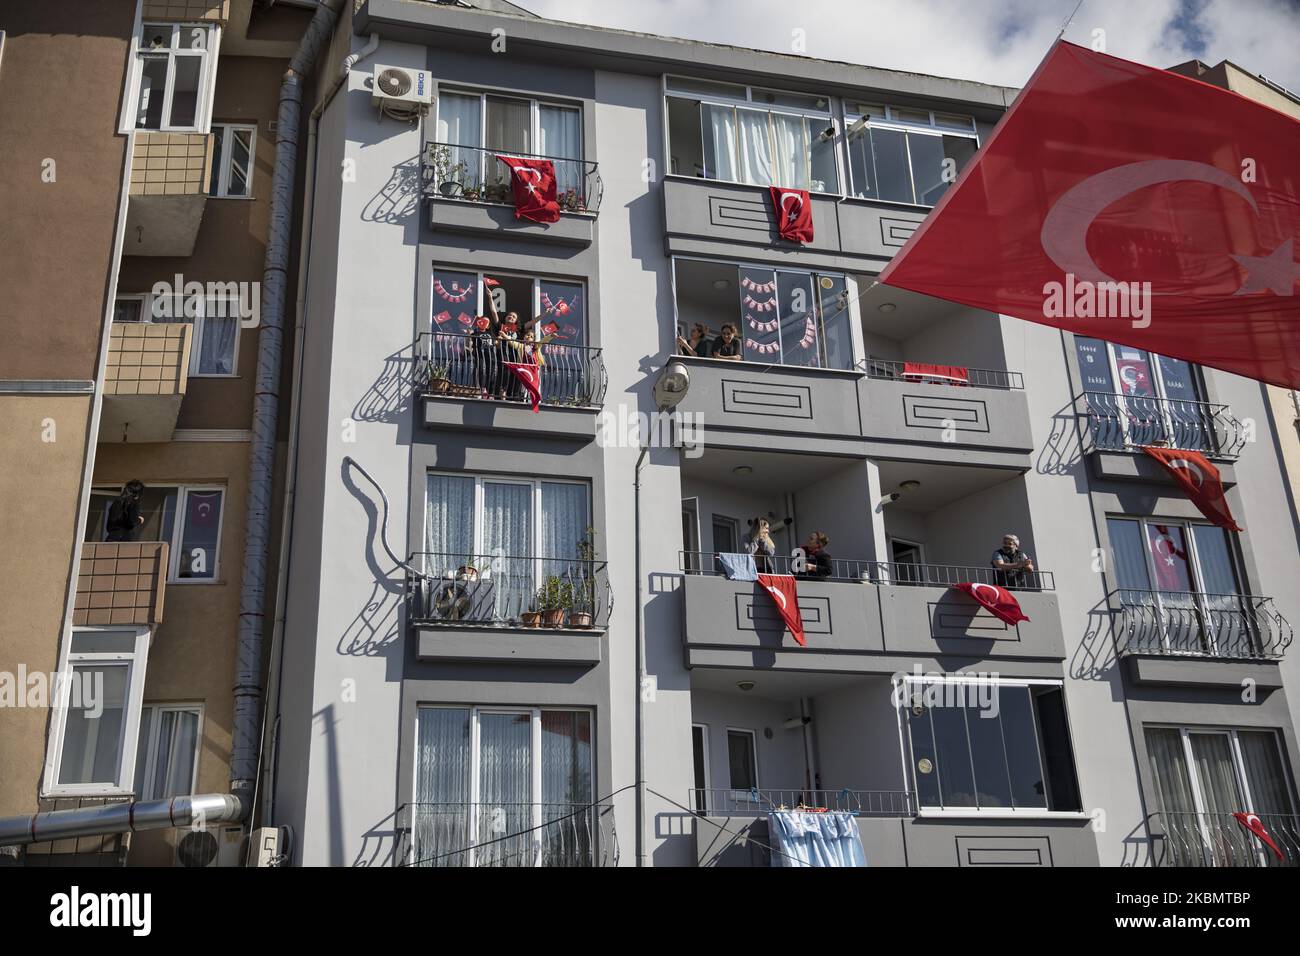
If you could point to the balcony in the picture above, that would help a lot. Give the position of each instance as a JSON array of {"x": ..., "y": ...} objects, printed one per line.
[
  {"x": 457, "y": 383},
  {"x": 145, "y": 379},
  {"x": 469, "y": 192},
  {"x": 120, "y": 582},
  {"x": 1116, "y": 426},
  {"x": 511, "y": 834},
  {"x": 170, "y": 173},
  {"x": 858, "y": 616},
  {"x": 474, "y": 608},
  {"x": 1188, "y": 838}
]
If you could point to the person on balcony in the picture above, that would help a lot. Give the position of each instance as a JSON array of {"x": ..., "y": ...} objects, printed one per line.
[
  {"x": 698, "y": 344},
  {"x": 761, "y": 545},
  {"x": 124, "y": 513},
  {"x": 817, "y": 557},
  {"x": 1011, "y": 566},
  {"x": 727, "y": 345},
  {"x": 482, "y": 349}
]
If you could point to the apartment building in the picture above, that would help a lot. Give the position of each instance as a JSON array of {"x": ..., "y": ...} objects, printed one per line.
[
  {"x": 142, "y": 137},
  {"x": 426, "y": 716}
]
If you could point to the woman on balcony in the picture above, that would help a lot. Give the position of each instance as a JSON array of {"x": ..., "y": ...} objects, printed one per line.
[
  {"x": 761, "y": 545},
  {"x": 124, "y": 513}
]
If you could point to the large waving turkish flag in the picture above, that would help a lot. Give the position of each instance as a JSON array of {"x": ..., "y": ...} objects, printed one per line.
[
  {"x": 1193, "y": 473},
  {"x": 998, "y": 601},
  {"x": 532, "y": 183},
  {"x": 1106, "y": 172}
]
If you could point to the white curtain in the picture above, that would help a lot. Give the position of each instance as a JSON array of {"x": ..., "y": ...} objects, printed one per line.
[
  {"x": 560, "y": 132},
  {"x": 755, "y": 148},
  {"x": 793, "y": 150},
  {"x": 1169, "y": 767},
  {"x": 508, "y": 531},
  {"x": 449, "y": 521},
  {"x": 178, "y": 732},
  {"x": 217, "y": 350},
  {"x": 505, "y": 789},
  {"x": 564, "y": 523},
  {"x": 1264, "y": 774},
  {"x": 460, "y": 124},
  {"x": 440, "y": 818},
  {"x": 567, "y": 788},
  {"x": 719, "y": 128}
]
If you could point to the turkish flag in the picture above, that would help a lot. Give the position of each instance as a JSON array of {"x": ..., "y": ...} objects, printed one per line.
[
  {"x": 1253, "y": 823},
  {"x": 1200, "y": 479},
  {"x": 782, "y": 590},
  {"x": 793, "y": 211},
  {"x": 1000, "y": 602},
  {"x": 939, "y": 374},
  {"x": 531, "y": 378},
  {"x": 533, "y": 184},
  {"x": 1104, "y": 172},
  {"x": 1169, "y": 560}
]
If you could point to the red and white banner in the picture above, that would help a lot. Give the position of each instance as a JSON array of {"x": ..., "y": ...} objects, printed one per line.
[
  {"x": 999, "y": 602},
  {"x": 1252, "y": 823},
  {"x": 1199, "y": 479},
  {"x": 782, "y": 590},
  {"x": 939, "y": 374},
  {"x": 793, "y": 211},
  {"x": 530, "y": 376},
  {"x": 1131, "y": 204},
  {"x": 533, "y": 183}
]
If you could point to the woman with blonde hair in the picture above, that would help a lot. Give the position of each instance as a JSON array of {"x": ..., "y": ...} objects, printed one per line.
[{"x": 760, "y": 544}]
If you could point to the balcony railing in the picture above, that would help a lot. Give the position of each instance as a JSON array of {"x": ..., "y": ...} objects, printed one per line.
[
  {"x": 1218, "y": 839},
  {"x": 878, "y": 572},
  {"x": 496, "y": 590},
  {"x": 1187, "y": 623},
  {"x": 474, "y": 174},
  {"x": 512, "y": 834},
  {"x": 1126, "y": 422},
  {"x": 975, "y": 377},
  {"x": 456, "y": 365},
  {"x": 863, "y": 803}
]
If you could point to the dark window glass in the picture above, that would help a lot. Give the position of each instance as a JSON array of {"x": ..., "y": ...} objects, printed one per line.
[
  {"x": 988, "y": 755},
  {"x": 924, "y": 762},
  {"x": 954, "y": 760},
  {"x": 1058, "y": 755},
  {"x": 1017, "y": 719},
  {"x": 740, "y": 756},
  {"x": 893, "y": 178}
]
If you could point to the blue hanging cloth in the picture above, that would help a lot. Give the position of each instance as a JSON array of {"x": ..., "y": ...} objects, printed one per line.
[{"x": 800, "y": 838}]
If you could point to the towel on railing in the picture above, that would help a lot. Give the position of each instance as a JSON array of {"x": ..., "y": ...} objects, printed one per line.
[
  {"x": 738, "y": 567},
  {"x": 801, "y": 838}
]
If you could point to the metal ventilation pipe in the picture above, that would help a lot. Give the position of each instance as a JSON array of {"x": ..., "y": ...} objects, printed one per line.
[{"x": 202, "y": 809}]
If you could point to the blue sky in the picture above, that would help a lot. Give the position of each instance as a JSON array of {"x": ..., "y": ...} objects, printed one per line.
[{"x": 995, "y": 41}]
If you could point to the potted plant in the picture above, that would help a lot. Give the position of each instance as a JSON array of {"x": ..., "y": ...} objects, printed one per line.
[
  {"x": 554, "y": 597},
  {"x": 447, "y": 174},
  {"x": 437, "y": 382},
  {"x": 531, "y": 618},
  {"x": 583, "y": 606}
]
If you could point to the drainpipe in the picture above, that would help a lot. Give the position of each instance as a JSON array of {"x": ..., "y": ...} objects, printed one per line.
[{"x": 640, "y": 664}]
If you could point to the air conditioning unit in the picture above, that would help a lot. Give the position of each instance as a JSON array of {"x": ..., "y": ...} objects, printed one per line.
[
  {"x": 400, "y": 91},
  {"x": 219, "y": 846}
]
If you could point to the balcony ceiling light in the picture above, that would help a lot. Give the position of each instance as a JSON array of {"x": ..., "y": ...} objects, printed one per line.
[
  {"x": 721, "y": 284},
  {"x": 910, "y": 485},
  {"x": 742, "y": 470},
  {"x": 886, "y": 307},
  {"x": 745, "y": 685}
]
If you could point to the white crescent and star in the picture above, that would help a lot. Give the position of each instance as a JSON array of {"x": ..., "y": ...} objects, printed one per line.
[
  {"x": 777, "y": 595},
  {"x": 976, "y": 588},
  {"x": 790, "y": 214},
  {"x": 1191, "y": 469}
]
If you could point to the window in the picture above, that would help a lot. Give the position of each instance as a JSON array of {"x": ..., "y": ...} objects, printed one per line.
[
  {"x": 742, "y": 759},
  {"x": 906, "y": 556},
  {"x": 485, "y": 774},
  {"x": 908, "y": 156},
  {"x": 94, "y": 730},
  {"x": 214, "y": 350},
  {"x": 726, "y": 533},
  {"x": 232, "y": 161},
  {"x": 1202, "y": 776},
  {"x": 985, "y": 745},
  {"x": 476, "y": 126},
  {"x": 746, "y": 135},
  {"x": 173, "y": 76},
  {"x": 458, "y": 297},
  {"x": 194, "y": 539},
  {"x": 167, "y": 757},
  {"x": 700, "y": 766},
  {"x": 1158, "y": 400},
  {"x": 781, "y": 317}
]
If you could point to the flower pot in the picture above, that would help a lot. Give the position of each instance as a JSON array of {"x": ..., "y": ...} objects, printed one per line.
[
  {"x": 439, "y": 386},
  {"x": 553, "y": 618},
  {"x": 450, "y": 189},
  {"x": 531, "y": 618},
  {"x": 579, "y": 619}
]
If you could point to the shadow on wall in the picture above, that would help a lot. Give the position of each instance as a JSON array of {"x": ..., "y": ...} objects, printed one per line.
[
  {"x": 384, "y": 843},
  {"x": 1095, "y": 653},
  {"x": 1063, "y": 450},
  {"x": 399, "y": 198},
  {"x": 377, "y": 625},
  {"x": 1138, "y": 848},
  {"x": 390, "y": 396}
]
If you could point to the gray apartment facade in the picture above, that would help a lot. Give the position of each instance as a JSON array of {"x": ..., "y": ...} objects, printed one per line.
[{"x": 419, "y": 714}]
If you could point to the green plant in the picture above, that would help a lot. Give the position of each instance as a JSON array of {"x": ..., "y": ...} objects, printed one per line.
[
  {"x": 444, "y": 170},
  {"x": 555, "y": 594},
  {"x": 438, "y": 371},
  {"x": 585, "y": 588}
]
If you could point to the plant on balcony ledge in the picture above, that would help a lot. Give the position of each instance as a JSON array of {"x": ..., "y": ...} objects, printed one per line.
[
  {"x": 572, "y": 201},
  {"x": 554, "y": 597},
  {"x": 448, "y": 174},
  {"x": 584, "y": 591},
  {"x": 437, "y": 382}
]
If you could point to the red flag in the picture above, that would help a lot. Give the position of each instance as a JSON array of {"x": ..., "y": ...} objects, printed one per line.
[
  {"x": 531, "y": 379},
  {"x": 941, "y": 374},
  {"x": 1199, "y": 479},
  {"x": 793, "y": 211},
  {"x": 1000, "y": 602},
  {"x": 786, "y": 598},
  {"x": 1168, "y": 558},
  {"x": 533, "y": 184},
  {"x": 1253, "y": 823},
  {"x": 1106, "y": 175}
]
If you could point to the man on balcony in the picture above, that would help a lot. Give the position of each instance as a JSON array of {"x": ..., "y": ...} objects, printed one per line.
[
  {"x": 1011, "y": 566},
  {"x": 124, "y": 513}
]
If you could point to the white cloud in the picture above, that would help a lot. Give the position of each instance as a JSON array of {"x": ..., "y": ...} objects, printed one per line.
[{"x": 993, "y": 41}]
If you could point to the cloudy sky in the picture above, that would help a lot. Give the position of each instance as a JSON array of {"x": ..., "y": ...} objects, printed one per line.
[{"x": 995, "y": 41}]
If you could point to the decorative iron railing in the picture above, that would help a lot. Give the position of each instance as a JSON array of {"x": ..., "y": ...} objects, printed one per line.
[
  {"x": 876, "y": 572},
  {"x": 1125, "y": 422},
  {"x": 755, "y": 801},
  {"x": 493, "y": 590},
  {"x": 457, "y": 365},
  {"x": 474, "y": 174},
  {"x": 975, "y": 377},
  {"x": 1178, "y": 623},
  {"x": 1219, "y": 839},
  {"x": 511, "y": 834}
]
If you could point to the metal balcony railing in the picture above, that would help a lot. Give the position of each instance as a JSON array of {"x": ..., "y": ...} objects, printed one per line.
[
  {"x": 1218, "y": 839},
  {"x": 474, "y": 174},
  {"x": 756, "y": 801},
  {"x": 493, "y": 590},
  {"x": 1176, "y": 623},
  {"x": 1125, "y": 422},
  {"x": 512, "y": 834},
  {"x": 878, "y": 572},
  {"x": 457, "y": 365},
  {"x": 976, "y": 377}
]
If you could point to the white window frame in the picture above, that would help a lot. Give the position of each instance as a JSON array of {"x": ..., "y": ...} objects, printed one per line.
[
  {"x": 908, "y": 754},
  {"x": 743, "y": 796},
  {"x": 1157, "y": 376},
  {"x": 475, "y": 767},
  {"x": 196, "y": 336},
  {"x": 137, "y": 661},
  {"x": 223, "y": 173},
  {"x": 207, "y": 76},
  {"x": 892, "y": 122},
  {"x": 749, "y": 103},
  {"x": 535, "y": 104},
  {"x": 178, "y": 528},
  {"x": 536, "y": 295},
  {"x": 150, "y": 755}
]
